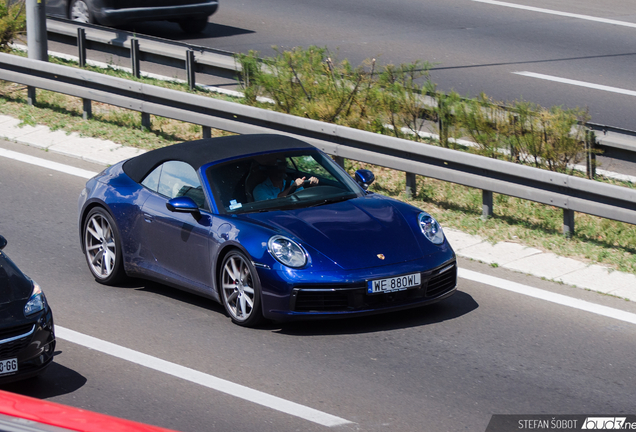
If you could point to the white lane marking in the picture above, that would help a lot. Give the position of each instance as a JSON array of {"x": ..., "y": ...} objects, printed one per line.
[
  {"x": 578, "y": 83},
  {"x": 47, "y": 164},
  {"x": 547, "y": 296},
  {"x": 219, "y": 384},
  {"x": 553, "y": 12}
]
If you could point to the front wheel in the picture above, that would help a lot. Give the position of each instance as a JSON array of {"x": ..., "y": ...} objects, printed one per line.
[
  {"x": 240, "y": 290},
  {"x": 79, "y": 11},
  {"x": 102, "y": 247}
]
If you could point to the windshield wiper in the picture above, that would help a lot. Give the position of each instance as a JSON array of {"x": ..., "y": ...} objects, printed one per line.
[{"x": 332, "y": 200}]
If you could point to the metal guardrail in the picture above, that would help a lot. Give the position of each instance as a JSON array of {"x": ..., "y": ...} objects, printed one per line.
[
  {"x": 572, "y": 194},
  {"x": 152, "y": 49},
  {"x": 616, "y": 143}
]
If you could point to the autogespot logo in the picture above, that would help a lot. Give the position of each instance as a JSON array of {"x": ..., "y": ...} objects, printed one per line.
[{"x": 608, "y": 423}]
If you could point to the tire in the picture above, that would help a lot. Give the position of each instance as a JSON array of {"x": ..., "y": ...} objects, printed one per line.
[
  {"x": 240, "y": 290},
  {"x": 193, "y": 25},
  {"x": 79, "y": 11},
  {"x": 102, "y": 247}
]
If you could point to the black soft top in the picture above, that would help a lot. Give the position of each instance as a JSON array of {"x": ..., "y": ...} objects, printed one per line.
[{"x": 203, "y": 151}]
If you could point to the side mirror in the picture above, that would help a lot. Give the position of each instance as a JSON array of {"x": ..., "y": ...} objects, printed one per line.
[
  {"x": 364, "y": 178},
  {"x": 3, "y": 242},
  {"x": 182, "y": 205}
]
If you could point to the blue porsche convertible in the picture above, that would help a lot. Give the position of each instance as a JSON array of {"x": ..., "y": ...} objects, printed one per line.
[{"x": 267, "y": 225}]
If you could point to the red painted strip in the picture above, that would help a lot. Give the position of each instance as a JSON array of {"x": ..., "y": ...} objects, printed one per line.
[{"x": 67, "y": 417}]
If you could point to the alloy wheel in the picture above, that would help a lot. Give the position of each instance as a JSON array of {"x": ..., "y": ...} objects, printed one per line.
[
  {"x": 100, "y": 246},
  {"x": 80, "y": 12},
  {"x": 239, "y": 291}
]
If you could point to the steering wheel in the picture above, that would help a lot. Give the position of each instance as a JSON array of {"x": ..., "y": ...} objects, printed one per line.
[{"x": 304, "y": 185}]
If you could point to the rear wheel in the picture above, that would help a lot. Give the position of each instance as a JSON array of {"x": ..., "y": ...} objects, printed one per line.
[
  {"x": 240, "y": 290},
  {"x": 102, "y": 247},
  {"x": 79, "y": 11},
  {"x": 193, "y": 25}
]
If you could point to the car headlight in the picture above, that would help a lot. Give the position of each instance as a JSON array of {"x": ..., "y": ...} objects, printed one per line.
[
  {"x": 287, "y": 251},
  {"x": 36, "y": 301},
  {"x": 431, "y": 228}
]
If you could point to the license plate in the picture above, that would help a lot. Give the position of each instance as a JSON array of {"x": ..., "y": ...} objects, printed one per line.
[
  {"x": 8, "y": 366},
  {"x": 399, "y": 283}
]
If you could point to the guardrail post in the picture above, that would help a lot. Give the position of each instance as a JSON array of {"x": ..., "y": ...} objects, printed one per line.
[
  {"x": 87, "y": 112},
  {"x": 514, "y": 120},
  {"x": 486, "y": 206},
  {"x": 36, "y": 30},
  {"x": 339, "y": 160},
  {"x": 207, "y": 131},
  {"x": 81, "y": 46},
  {"x": 191, "y": 69},
  {"x": 568, "y": 223},
  {"x": 88, "y": 109},
  {"x": 411, "y": 185},
  {"x": 441, "y": 123},
  {"x": 134, "y": 57},
  {"x": 31, "y": 97},
  {"x": 590, "y": 157},
  {"x": 36, "y": 37},
  {"x": 145, "y": 121}
]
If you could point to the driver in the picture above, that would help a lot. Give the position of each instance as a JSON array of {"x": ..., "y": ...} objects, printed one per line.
[{"x": 276, "y": 184}]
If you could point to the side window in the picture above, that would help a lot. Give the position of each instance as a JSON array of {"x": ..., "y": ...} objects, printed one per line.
[
  {"x": 175, "y": 179},
  {"x": 152, "y": 180}
]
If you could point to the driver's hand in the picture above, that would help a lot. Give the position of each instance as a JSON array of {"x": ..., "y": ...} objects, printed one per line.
[
  {"x": 313, "y": 181},
  {"x": 299, "y": 182}
]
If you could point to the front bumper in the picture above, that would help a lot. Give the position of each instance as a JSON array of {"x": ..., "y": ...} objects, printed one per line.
[
  {"x": 115, "y": 17},
  {"x": 350, "y": 298},
  {"x": 33, "y": 344}
]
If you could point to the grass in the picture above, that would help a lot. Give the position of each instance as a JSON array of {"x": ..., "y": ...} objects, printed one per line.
[{"x": 595, "y": 240}]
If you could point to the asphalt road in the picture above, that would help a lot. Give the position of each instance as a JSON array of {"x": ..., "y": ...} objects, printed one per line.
[
  {"x": 447, "y": 367},
  {"x": 475, "y": 45}
]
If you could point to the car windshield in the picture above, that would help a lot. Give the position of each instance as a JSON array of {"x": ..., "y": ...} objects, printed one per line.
[
  {"x": 13, "y": 284},
  {"x": 273, "y": 182}
]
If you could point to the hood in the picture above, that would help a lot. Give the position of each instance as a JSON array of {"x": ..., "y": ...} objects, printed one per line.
[
  {"x": 352, "y": 234},
  {"x": 14, "y": 285}
]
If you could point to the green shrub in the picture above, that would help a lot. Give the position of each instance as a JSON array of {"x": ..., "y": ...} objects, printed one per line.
[
  {"x": 313, "y": 83},
  {"x": 524, "y": 132},
  {"x": 399, "y": 95},
  {"x": 12, "y": 22},
  {"x": 548, "y": 138},
  {"x": 391, "y": 100},
  {"x": 485, "y": 123},
  {"x": 308, "y": 83}
]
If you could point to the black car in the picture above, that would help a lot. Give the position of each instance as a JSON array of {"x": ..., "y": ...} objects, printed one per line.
[
  {"x": 27, "y": 337},
  {"x": 191, "y": 15}
]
